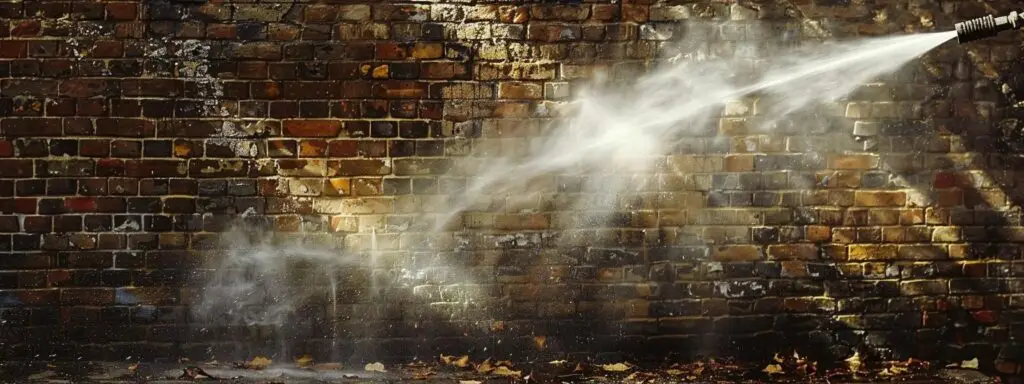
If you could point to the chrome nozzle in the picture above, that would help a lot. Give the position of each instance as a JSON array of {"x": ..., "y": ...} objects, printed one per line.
[{"x": 987, "y": 26}]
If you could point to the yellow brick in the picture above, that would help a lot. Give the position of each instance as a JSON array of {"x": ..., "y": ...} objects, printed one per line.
[
  {"x": 739, "y": 163},
  {"x": 853, "y": 161},
  {"x": 517, "y": 90},
  {"x": 736, "y": 253},
  {"x": 793, "y": 252},
  {"x": 871, "y": 252},
  {"x": 427, "y": 51},
  {"x": 880, "y": 199}
]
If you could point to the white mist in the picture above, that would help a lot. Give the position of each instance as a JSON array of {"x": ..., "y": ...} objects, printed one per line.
[{"x": 616, "y": 140}]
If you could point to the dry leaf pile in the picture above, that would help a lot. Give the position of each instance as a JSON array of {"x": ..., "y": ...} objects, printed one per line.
[
  {"x": 421, "y": 370},
  {"x": 781, "y": 367},
  {"x": 257, "y": 363}
]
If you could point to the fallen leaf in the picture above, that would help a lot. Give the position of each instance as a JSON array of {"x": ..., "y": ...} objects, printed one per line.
[
  {"x": 461, "y": 362},
  {"x": 133, "y": 367},
  {"x": 969, "y": 364},
  {"x": 854, "y": 362},
  {"x": 777, "y": 358},
  {"x": 541, "y": 341},
  {"x": 558, "y": 362},
  {"x": 505, "y": 363},
  {"x": 504, "y": 371},
  {"x": 470, "y": 382},
  {"x": 498, "y": 326},
  {"x": 675, "y": 372},
  {"x": 892, "y": 371},
  {"x": 484, "y": 367},
  {"x": 195, "y": 373},
  {"x": 374, "y": 367},
  {"x": 304, "y": 361},
  {"x": 617, "y": 367},
  {"x": 258, "y": 362},
  {"x": 772, "y": 369}
]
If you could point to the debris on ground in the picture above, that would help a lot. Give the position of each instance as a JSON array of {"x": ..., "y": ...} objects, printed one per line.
[{"x": 782, "y": 367}]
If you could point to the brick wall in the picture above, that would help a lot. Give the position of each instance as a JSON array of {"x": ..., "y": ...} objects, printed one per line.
[{"x": 132, "y": 140}]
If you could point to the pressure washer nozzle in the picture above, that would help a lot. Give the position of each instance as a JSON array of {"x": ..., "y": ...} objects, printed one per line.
[{"x": 987, "y": 26}]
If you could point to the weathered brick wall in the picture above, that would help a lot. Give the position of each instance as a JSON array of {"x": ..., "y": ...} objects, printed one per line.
[{"x": 135, "y": 132}]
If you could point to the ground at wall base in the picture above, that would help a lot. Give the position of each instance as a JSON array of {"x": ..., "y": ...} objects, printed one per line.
[{"x": 423, "y": 372}]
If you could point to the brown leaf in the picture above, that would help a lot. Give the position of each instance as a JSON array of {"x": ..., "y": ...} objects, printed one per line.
[
  {"x": 541, "y": 341},
  {"x": 497, "y": 326},
  {"x": 258, "y": 362},
  {"x": 484, "y": 367},
  {"x": 617, "y": 367},
  {"x": 304, "y": 361},
  {"x": 461, "y": 362},
  {"x": 504, "y": 371},
  {"x": 504, "y": 363},
  {"x": 854, "y": 362},
  {"x": 772, "y": 369}
]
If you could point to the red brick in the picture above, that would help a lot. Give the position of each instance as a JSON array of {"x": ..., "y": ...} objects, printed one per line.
[
  {"x": 11, "y": 168},
  {"x": 80, "y": 204},
  {"x": 107, "y": 49},
  {"x": 122, "y": 11},
  {"x": 6, "y": 148},
  {"x": 945, "y": 180},
  {"x": 26, "y": 28},
  {"x": 391, "y": 51},
  {"x": 312, "y": 128},
  {"x": 25, "y": 205},
  {"x": 87, "y": 296},
  {"x": 38, "y": 297},
  {"x": 222, "y": 31},
  {"x": 32, "y": 127},
  {"x": 155, "y": 168},
  {"x": 110, "y": 167},
  {"x": 125, "y": 127},
  {"x": 283, "y": 32},
  {"x": 13, "y": 49},
  {"x": 252, "y": 70}
]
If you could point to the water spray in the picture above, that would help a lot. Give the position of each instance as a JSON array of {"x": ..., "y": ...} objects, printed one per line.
[{"x": 987, "y": 26}]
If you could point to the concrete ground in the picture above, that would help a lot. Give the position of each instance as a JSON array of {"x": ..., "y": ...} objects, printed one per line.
[{"x": 11, "y": 372}]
